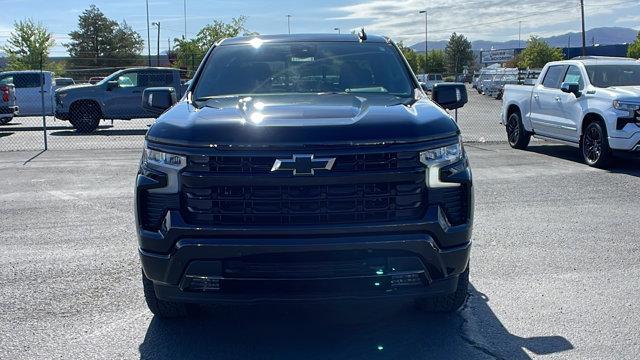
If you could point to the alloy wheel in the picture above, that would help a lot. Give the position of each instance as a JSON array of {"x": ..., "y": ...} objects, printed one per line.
[{"x": 592, "y": 144}]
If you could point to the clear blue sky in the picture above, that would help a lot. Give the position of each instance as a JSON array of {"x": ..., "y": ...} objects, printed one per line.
[{"x": 477, "y": 19}]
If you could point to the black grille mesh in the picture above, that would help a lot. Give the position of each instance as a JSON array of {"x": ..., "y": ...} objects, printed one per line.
[
  {"x": 155, "y": 207},
  {"x": 306, "y": 205},
  {"x": 343, "y": 163}
]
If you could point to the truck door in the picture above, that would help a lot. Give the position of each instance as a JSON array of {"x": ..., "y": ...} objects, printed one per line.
[
  {"x": 124, "y": 101},
  {"x": 573, "y": 108},
  {"x": 546, "y": 105}
]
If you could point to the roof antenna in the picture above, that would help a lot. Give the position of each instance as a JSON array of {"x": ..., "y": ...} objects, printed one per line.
[{"x": 362, "y": 35}]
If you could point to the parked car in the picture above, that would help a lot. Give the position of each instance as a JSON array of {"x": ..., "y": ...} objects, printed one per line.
[
  {"x": 8, "y": 107},
  {"x": 432, "y": 79},
  {"x": 117, "y": 96},
  {"x": 314, "y": 183},
  {"x": 592, "y": 103},
  {"x": 32, "y": 88},
  {"x": 496, "y": 87},
  {"x": 62, "y": 82},
  {"x": 96, "y": 79}
]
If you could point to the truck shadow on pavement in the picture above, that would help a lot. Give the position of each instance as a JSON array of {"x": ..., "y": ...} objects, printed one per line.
[
  {"x": 381, "y": 330},
  {"x": 619, "y": 165}
]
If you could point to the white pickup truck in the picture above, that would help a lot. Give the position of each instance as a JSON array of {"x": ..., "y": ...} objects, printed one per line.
[
  {"x": 591, "y": 102},
  {"x": 29, "y": 91}
]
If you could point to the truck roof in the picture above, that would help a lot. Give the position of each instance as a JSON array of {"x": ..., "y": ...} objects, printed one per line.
[
  {"x": 304, "y": 38},
  {"x": 596, "y": 60},
  {"x": 25, "y": 72}
]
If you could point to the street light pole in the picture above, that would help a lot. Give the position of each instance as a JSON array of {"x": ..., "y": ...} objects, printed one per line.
[
  {"x": 426, "y": 39},
  {"x": 185, "y": 19},
  {"x": 158, "y": 56},
  {"x": 520, "y": 34},
  {"x": 584, "y": 38},
  {"x": 338, "y": 29},
  {"x": 148, "y": 36},
  {"x": 289, "y": 24}
]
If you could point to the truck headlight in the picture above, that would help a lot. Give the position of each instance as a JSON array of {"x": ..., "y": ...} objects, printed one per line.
[
  {"x": 436, "y": 159},
  {"x": 169, "y": 164},
  {"x": 624, "y": 106},
  {"x": 161, "y": 160}
]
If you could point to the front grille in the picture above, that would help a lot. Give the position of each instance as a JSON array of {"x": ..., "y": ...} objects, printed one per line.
[
  {"x": 306, "y": 204},
  {"x": 343, "y": 163}
]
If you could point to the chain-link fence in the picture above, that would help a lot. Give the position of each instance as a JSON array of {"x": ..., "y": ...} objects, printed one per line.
[{"x": 110, "y": 115}]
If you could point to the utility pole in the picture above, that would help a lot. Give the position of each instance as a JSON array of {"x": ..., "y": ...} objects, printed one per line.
[
  {"x": 158, "y": 56},
  {"x": 289, "y": 24},
  {"x": 185, "y": 20},
  {"x": 148, "y": 36},
  {"x": 584, "y": 38},
  {"x": 426, "y": 39},
  {"x": 338, "y": 29}
]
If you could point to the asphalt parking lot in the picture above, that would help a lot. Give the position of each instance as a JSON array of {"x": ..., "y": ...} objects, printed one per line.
[
  {"x": 555, "y": 272},
  {"x": 479, "y": 121}
]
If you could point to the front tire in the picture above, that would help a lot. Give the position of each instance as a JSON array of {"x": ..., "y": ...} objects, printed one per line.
[
  {"x": 517, "y": 136},
  {"x": 85, "y": 118},
  {"x": 161, "y": 308},
  {"x": 594, "y": 146},
  {"x": 447, "y": 303}
]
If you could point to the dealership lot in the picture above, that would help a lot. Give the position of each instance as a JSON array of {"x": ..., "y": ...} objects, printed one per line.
[
  {"x": 479, "y": 121},
  {"x": 554, "y": 271}
]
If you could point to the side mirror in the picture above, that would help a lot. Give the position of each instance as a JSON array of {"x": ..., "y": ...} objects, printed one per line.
[
  {"x": 571, "y": 88},
  {"x": 423, "y": 86},
  {"x": 449, "y": 95},
  {"x": 112, "y": 85},
  {"x": 157, "y": 100}
]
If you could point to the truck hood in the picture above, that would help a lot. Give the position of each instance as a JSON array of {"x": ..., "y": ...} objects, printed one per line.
[
  {"x": 73, "y": 87},
  {"x": 624, "y": 91},
  {"x": 302, "y": 120}
]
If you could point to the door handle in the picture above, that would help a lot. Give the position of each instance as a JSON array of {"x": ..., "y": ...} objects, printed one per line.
[
  {"x": 535, "y": 96},
  {"x": 558, "y": 98}
]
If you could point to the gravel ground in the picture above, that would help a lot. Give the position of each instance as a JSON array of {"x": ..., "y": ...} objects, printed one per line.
[{"x": 555, "y": 272}]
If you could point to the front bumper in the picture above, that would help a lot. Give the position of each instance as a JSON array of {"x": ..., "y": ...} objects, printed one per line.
[
  {"x": 630, "y": 143},
  {"x": 204, "y": 254}
]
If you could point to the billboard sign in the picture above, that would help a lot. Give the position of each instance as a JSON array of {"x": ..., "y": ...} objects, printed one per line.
[{"x": 497, "y": 56}]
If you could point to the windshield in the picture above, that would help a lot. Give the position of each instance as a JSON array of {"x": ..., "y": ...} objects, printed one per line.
[
  {"x": 614, "y": 75},
  {"x": 299, "y": 68}
]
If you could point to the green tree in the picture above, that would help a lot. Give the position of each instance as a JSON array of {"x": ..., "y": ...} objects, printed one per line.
[
  {"x": 189, "y": 53},
  {"x": 436, "y": 61},
  {"x": 458, "y": 53},
  {"x": 28, "y": 46},
  {"x": 412, "y": 57},
  {"x": 634, "y": 48},
  {"x": 102, "y": 42},
  {"x": 538, "y": 53}
]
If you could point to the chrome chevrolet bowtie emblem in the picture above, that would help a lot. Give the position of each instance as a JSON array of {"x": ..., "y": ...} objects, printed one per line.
[{"x": 304, "y": 164}]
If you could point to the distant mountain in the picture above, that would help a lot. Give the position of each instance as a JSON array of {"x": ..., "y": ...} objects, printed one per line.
[{"x": 602, "y": 36}]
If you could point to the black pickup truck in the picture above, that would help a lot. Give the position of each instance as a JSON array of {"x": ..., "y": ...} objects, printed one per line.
[{"x": 304, "y": 168}]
